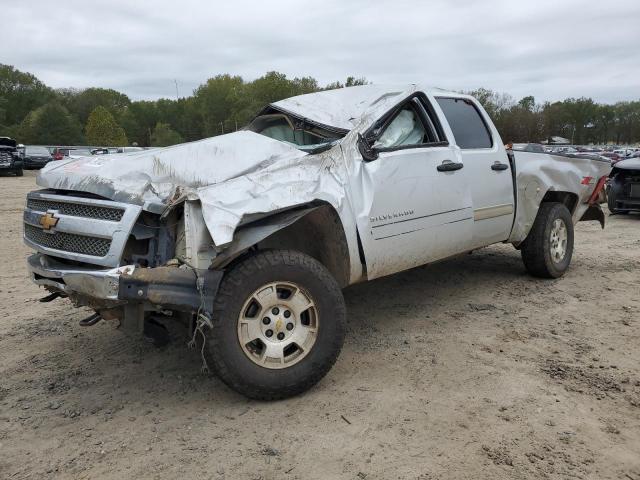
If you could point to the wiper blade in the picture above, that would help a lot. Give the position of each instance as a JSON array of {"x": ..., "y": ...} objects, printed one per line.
[{"x": 320, "y": 148}]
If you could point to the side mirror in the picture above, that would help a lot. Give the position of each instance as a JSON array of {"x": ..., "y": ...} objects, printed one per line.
[{"x": 368, "y": 152}]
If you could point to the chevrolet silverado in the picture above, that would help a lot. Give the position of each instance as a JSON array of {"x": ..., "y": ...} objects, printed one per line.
[{"x": 248, "y": 238}]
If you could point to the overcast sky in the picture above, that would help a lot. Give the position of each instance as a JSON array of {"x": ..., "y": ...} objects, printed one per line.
[{"x": 551, "y": 49}]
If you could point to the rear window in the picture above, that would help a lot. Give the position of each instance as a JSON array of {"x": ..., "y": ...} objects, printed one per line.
[{"x": 466, "y": 123}]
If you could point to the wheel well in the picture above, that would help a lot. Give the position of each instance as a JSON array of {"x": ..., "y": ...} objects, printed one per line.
[
  {"x": 320, "y": 235},
  {"x": 568, "y": 199}
]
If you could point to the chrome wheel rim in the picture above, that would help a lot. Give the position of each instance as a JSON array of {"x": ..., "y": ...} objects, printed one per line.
[
  {"x": 558, "y": 240},
  {"x": 278, "y": 325}
]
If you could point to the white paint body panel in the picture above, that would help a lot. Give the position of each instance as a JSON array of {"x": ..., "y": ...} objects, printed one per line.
[
  {"x": 412, "y": 214},
  {"x": 405, "y": 212},
  {"x": 491, "y": 191}
]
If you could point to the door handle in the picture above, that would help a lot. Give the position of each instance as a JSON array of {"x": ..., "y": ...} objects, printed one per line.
[
  {"x": 449, "y": 166},
  {"x": 499, "y": 166}
]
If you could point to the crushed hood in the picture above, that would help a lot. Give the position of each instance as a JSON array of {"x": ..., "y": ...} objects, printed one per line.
[{"x": 151, "y": 178}]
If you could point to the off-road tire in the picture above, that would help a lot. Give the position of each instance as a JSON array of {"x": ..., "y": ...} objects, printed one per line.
[
  {"x": 536, "y": 249},
  {"x": 223, "y": 348}
]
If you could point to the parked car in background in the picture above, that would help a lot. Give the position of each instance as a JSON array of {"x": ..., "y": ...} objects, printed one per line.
[
  {"x": 528, "y": 147},
  {"x": 623, "y": 152},
  {"x": 623, "y": 193},
  {"x": 563, "y": 149},
  {"x": 79, "y": 153},
  {"x": 10, "y": 160},
  {"x": 100, "y": 151},
  {"x": 36, "y": 157},
  {"x": 614, "y": 157},
  {"x": 70, "y": 152},
  {"x": 60, "y": 153},
  {"x": 129, "y": 149}
]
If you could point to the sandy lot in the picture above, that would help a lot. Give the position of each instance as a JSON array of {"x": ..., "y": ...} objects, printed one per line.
[{"x": 466, "y": 369}]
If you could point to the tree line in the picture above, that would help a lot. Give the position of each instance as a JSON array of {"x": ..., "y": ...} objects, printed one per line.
[
  {"x": 34, "y": 113},
  {"x": 580, "y": 120}
]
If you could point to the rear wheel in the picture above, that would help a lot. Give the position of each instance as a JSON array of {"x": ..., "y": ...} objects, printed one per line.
[
  {"x": 548, "y": 248},
  {"x": 278, "y": 325}
]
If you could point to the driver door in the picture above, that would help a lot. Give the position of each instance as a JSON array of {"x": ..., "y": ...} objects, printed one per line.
[{"x": 415, "y": 206}]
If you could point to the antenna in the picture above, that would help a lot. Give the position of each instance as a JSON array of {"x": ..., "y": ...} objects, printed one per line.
[{"x": 177, "y": 94}]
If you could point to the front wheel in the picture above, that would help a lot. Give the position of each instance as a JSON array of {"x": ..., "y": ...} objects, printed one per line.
[
  {"x": 547, "y": 250},
  {"x": 278, "y": 325},
  {"x": 19, "y": 172}
]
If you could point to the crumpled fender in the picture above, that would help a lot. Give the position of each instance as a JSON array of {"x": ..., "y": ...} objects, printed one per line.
[
  {"x": 317, "y": 179},
  {"x": 280, "y": 186}
]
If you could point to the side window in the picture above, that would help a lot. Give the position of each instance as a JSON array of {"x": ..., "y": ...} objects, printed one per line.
[
  {"x": 405, "y": 129},
  {"x": 467, "y": 125}
]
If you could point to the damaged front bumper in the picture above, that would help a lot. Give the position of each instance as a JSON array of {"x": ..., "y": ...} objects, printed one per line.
[
  {"x": 100, "y": 284},
  {"x": 174, "y": 288}
]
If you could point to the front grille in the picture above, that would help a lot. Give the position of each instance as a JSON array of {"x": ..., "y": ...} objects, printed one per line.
[
  {"x": 76, "y": 209},
  {"x": 6, "y": 156},
  {"x": 68, "y": 242}
]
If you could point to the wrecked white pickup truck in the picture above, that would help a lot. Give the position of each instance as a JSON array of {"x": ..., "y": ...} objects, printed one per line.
[{"x": 249, "y": 237}]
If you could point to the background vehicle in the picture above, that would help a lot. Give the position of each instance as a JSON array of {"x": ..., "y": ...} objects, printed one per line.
[
  {"x": 614, "y": 157},
  {"x": 248, "y": 237},
  {"x": 623, "y": 152},
  {"x": 128, "y": 149},
  {"x": 528, "y": 147},
  {"x": 623, "y": 191},
  {"x": 10, "y": 160},
  {"x": 100, "y": 151},
  {"x": 36, "y": 156},
  {"x": 60, "y": 153},
  {"x": 78, "y": 153}
]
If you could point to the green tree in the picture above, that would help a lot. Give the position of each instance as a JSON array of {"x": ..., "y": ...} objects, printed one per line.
[
  {"x": 163, "y": 136},
  {"x": 102, "y": 129},
  {"x": 351, "y": 82},
  {"x": 50, "y": 124},
  {"x": 82, "y": 102},
  {"x": 580, "y": 114},
  {"x": 20, "y": 93},
  {"x": 218, "y": 100}
]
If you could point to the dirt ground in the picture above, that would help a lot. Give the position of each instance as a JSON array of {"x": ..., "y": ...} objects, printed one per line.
[{"x": 465, "y": 369}]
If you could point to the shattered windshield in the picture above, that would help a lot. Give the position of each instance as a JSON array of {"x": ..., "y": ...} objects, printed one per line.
[{"x": 299, "y": 133}]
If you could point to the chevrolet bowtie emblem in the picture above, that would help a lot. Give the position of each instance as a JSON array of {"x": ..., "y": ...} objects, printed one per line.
[{"x": 48, "y": 221}]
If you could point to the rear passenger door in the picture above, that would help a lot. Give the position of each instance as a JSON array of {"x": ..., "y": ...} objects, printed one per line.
[{"x": 487, "y": 164}]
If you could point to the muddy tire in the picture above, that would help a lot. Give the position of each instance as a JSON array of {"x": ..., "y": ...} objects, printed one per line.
[
  {"x": 547, "y": 250},
  {"x": 278, "y": 325}
]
